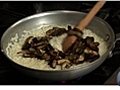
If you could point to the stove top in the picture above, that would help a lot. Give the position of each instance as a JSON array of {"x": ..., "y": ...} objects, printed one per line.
[{"x": 10, "y": 12}]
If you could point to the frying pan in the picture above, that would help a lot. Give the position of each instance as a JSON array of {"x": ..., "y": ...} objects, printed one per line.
[{"x": 60, "y": 17}]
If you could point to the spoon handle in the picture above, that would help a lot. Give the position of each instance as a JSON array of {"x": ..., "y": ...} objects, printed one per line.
[
  {"x": 69, "y": 40},
  {"x": 83, "y": 23}
]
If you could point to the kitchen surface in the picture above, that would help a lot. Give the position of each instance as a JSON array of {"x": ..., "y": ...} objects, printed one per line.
[{"x": 105, "y": 74}]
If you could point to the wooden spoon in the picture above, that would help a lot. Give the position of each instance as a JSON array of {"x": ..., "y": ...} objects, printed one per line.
[{"x": 69, "y": 40}]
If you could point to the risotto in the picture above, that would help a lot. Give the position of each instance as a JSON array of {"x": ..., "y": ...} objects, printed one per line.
[{"x": 16, "y": 43}]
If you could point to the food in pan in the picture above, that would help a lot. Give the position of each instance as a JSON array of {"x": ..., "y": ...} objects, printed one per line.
[{"x": 42, "y": 48}]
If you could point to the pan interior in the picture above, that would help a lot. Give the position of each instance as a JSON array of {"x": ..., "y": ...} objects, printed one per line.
[{"x": 55, "y": 18}]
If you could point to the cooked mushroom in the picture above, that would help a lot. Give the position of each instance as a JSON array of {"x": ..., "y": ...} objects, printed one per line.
[
  {"x": 59, "y": 32},
  {"x": 57, "y": 57},
  {"x": 77, "y": 48},
  {"x": 65, "y": 65},
  {"x": 49, "y": 32},
  {"x": 29, "y": 39},
  {"x": 74, "y": 48},
  {"x": 95, "y": 53},
  {"x": 61, "y": 54},
  {"x": 52, "y": 53},
  {"x": 75, "y": 32},
  {"x": 27, "y": 43},
  {"x": 93, "y": 58},
  {"x": 49, "y": 48},
  {"x": 36, "y": 39},
  {"x": 31, "y": 55},
  {"x": 80, "y": 59},
  {"x": 70, "y": 57},
  {"x": 38, "y": 53},
  {"x": 82, "y": 50},
  {"x": 54, "y": 64},
  {"x": 26, "y": 53},
  {"x": 41, "y": 46},
  {"x": 40, "y": 43},
  {"x": 81, "y": 47},
  {"x": 89, "y": 40},
  {"x": 69, "y": 27},
  {"x": 46, "y": 56},
  {"x": 55, "y": 31},
  {"x": 21, "y": 52},
  {"x": 94, "y": 46},
  {"x": 89, "y": 51},
  {"x": 32, "y": 49},
  {"x": 62, "y": 61}
]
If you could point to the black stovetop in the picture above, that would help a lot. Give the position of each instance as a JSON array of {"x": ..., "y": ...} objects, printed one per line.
[{"x": 10, "y": 12}]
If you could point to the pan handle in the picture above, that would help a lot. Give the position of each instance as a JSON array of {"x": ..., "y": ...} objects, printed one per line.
[
  {"x": 116, "y": 50},
  {"x": 117, "y": 37}
]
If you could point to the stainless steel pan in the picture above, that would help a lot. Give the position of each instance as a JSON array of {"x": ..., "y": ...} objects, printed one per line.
[{"x": 60, "y": 17}]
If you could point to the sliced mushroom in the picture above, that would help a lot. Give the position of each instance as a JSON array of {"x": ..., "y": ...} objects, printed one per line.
[
  {"x": 95, "y": 53},
  {"x": 89, "y": 40},
  {"x": 65, "y": 65},
  {"x": 27, "y": 43},
  {"x": 94, "y": 46},
  {"x": 75, "y": 33},
  {"x": 44, "y": 38},
  {"x": 23, "y": 51},
  {"x": 45, "y": 56},
  {"x": 40, "y": 43},
  {"x": 32, "y": 49},
  {"x": 49, "y": 48},
  {"x": 31, "y": 55},
  {"x": 29, "y": 39},
  {"x": 61, "y": 54},
  {"x": 52, "y": 53},
  {"x": 87, "y": 50},
  {"x": 81, "y": 48},
  {"x": 41, "y": 46},
  {"x": 42, "y": 51},
  {"x": 62, "y": 61},
  {"x": 59, "y": 32},
  {"x": 57, "y": 57},
  {"x": 54, "y": 64},
  {"x": 38, "y": 53},
  {"x": 26, "y": 53},
  {"x": 69, "y": 27},
  {"x": 77, "y": 48},
  {"x": 70, "y": 57},
  {"x": 49, "y": 32},
  {"x": 80, "y": 59},
  {"x": 74, "y": 48},
  {"x": 36, "y": 39},
  {"x": 93, "y": 58}
]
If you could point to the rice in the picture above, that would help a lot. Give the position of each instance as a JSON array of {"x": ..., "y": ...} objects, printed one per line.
[{"x": 16, "y": 43}]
